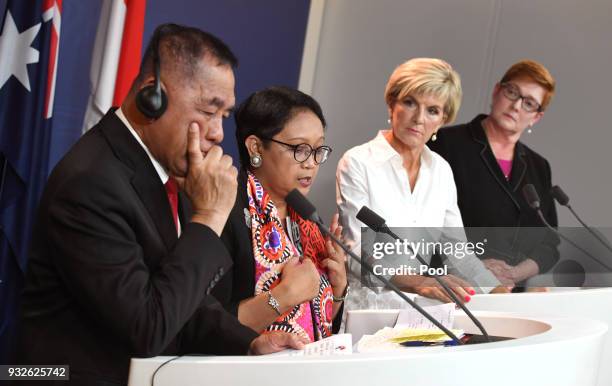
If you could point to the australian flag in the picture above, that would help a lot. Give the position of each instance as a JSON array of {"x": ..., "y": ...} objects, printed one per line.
[{"x": 29, "y": 41}]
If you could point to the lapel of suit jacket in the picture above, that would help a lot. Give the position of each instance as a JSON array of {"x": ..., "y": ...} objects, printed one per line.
[
  {"x": 247, "y": 260},
  {"x": 145, "y": 179},
  {"x": 487, "y": 156},
  {"x": 184, "y": 208},
  {"x": 519, "y": 167}
]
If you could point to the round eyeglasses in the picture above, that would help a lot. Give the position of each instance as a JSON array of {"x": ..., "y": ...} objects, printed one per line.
[
  {"x": 302, "y": 151},
  {"x": 513, "y": 93}
]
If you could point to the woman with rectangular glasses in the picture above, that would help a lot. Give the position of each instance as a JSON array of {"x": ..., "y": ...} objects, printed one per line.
[
  {"x": 286, "y": 275},
  {"x": 491, "y": 166}
]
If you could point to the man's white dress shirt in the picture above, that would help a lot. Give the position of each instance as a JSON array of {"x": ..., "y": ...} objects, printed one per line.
[{"x": 163, "y": 175}]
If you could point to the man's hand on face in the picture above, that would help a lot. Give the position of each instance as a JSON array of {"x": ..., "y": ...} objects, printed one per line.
[{"x": 210, "y": 183}]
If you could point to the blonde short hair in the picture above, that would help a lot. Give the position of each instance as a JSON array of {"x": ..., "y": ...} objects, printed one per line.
[{"x": 421, "y": 76}]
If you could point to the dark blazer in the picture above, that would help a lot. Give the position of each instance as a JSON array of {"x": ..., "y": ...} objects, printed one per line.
[
  {"x": 108, "y": 279},
  {"x": 239, "y": 283},
  {"x": 487, "y": 199}
]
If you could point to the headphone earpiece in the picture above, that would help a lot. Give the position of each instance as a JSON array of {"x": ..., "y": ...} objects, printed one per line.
[{"x": 151, "y": 100}]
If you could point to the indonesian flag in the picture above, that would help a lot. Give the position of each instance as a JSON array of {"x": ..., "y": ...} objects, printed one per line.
[
  {"x": 52, "y": 11},
  {"x": 116, "y": 57}
]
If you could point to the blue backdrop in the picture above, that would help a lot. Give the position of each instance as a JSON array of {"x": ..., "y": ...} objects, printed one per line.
[{"x": 266, "y": 35}]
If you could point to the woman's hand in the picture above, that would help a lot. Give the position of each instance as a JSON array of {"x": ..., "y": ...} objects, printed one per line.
[
  {"x": 500, "y": 289},
  {"x": 430, "y": 288},
  {"x": 335, "y": 263},
  {"x": 524, "y": 270},
  {"x": 299, "y": 283},
  {"x": 502, "y": 271},
  {"x": 271, "y": 342}
]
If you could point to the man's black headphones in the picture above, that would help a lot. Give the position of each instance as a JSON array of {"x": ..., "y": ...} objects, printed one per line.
[{"x": 151, "y": 100}]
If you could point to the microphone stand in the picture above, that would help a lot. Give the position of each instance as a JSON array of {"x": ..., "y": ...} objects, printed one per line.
[
  {"x": 388, "y": 284},
  {"x": 533, "y": 200},
  {"x": 541, "y": 217},
  {"x": 604, "y": 242},
  {"x": 450, "y": 293},
  {"x": 306, "y": 210}
]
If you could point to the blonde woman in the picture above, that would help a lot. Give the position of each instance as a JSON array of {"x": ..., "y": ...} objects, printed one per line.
[{"x": 397, "y": 176}]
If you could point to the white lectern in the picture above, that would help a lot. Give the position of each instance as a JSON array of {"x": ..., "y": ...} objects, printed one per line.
[
  {"x": 547, "y": 351},
  {"x": 585, "y": 303}
]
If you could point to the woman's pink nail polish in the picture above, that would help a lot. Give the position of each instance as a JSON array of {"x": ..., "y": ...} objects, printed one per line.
[
  {"x": 467, "y": 298},
  {"x": 472, "y": 292}
]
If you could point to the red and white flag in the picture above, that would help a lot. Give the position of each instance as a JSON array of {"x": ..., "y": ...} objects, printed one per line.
[
  {"x": 52, "y": 11},
  {"x": 116, "y": 57}
]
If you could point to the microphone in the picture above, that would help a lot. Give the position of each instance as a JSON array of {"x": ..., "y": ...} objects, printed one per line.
[
  {"x": 533, "y": 199},
  {"x": 378, "y": 224},
  {"x": 373, "y": 220},
  {"x": 306, "y": 210},
  {"x": 563, "y": 199},
  {"x": 559, "y": 195},
  {"x": 303, "y": 207}
]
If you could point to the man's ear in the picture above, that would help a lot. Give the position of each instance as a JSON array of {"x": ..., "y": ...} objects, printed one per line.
[{"x": 148, "y": 81}]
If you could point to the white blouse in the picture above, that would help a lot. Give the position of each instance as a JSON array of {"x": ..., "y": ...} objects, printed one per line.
[{"x": 373, "y": 174}]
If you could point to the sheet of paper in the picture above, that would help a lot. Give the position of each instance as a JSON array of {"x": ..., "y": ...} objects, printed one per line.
[
  {"x": 411, "y": 326},
  {"x": 424, "y": 335},
  {"x": 340, "y": 344},
  {"x": 410, "y": 318},
  {"x": 379, "y": 342}
]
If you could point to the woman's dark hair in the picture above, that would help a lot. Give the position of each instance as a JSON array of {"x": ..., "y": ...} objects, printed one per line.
[{"x": 266, "y": 112}]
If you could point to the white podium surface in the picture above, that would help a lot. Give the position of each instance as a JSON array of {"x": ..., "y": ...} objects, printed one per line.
[
  {"x": 547, "y": 351},
  {"x": 593, "y": 303}
]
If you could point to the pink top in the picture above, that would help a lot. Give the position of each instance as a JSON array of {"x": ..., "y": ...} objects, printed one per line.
[{"x": 506, "y": 167}]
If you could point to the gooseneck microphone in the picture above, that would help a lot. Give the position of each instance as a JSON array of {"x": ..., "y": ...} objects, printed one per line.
[
  {"x": 533, "y": 199},
  {"x": 378, "y": 224},
  {"x": 373, "y": 221},
  {"x": 563, "y": 200},
  {"x": 560, "y": 196},
  {"x": 306, "y": 210}
]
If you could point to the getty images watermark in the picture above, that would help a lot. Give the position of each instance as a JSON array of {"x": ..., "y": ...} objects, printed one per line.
[
  {"x": 401, "y": 249},
  {"x": 566, "y": 256}
]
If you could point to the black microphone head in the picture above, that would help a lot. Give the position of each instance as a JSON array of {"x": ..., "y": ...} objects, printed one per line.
[
  {"x": 531, "y": 196},
  {"x": 370, "y": 218},
  {"x": 559, "y": 195},
  {"x": 302, "y": 206}
]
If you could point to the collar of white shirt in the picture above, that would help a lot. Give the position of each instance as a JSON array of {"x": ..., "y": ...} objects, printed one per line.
[
  {"x": 383, "y": 151},
  {"x": 161, "y": 172},
  {"x": 163, "y": 175}
]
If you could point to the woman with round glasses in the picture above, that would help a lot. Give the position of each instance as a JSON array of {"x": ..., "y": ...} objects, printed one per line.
[
  {"x": 397, "y": 176},
  {"x": 286, "y": 276},
  {"x": 491, "y": 166}
]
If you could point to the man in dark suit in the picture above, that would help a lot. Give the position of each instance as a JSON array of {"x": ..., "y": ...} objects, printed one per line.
[{"x": 120, "y": 265}]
